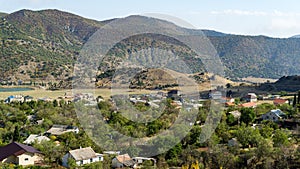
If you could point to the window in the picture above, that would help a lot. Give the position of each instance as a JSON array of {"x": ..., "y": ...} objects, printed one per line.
[{"x": 26, "y": 159}]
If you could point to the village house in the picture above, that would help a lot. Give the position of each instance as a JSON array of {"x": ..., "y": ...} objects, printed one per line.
[
  {"x": 112, "y": 152},
  {"x": 250, "y": 97},
  {"x": 82, "y": 156},
  {"x": 248, "y": 105},
  {"x": 20, "y": 154},
  {"x": 280, "y": 101},
  {"x": 28, "y": 98},
  {"x": 140, "y": 160},
  {"x": 122, "y": 161},
  {"x": 38, "y": 138},
  {"x": 16, "y": 98},
  {"x": 274, "y": 115},
  {"x": 61, "y": 129}
]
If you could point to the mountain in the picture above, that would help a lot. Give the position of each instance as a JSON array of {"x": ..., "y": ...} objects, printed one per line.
[
  {"x": 43, "y": 46},
  {"x": 295, "y": 36},
  {"x": 212, "y": 33},
  {"x": 2, "y": 14},
  {"x": 285, "y": 83}
]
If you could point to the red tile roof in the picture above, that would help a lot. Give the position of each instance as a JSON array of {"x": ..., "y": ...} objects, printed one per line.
[
  {"x": 279, "y": 101},
  {"x": 249, "y": 104}
]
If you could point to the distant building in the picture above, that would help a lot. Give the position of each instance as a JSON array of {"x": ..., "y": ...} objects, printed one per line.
[
  {"x": 112, "y": 152},
  {"x": 28, "y": 98},
  {"x": 20, "y": 154},
  {"x": 61, "y": 129},
  {"x": 82, "y": 156},
  {"x": 141, "y": 160},
  {"x": 16, "y": 98},
  {"x": 248, "y": 105},
  {"x": 274, "y": 115},
  {"x": 122, "y": 161},
  {"x": 33, "y": 137},
  {"x": 280, "y": 101},
  {"x": 250, "y": 97}
]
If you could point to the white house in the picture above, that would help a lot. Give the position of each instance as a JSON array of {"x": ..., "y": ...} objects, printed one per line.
[
  {"x": 33, "y": 137},
  {"x": 82, "y": 156},
  {"x": 140, "y": 160},
  {"x": 16, "y": 98},
  {"x": 274, "y": 115},
  {"x": 250, "y": 97}
]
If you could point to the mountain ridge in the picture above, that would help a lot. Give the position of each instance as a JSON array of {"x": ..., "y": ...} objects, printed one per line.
[{"x": 49, "y": 41}]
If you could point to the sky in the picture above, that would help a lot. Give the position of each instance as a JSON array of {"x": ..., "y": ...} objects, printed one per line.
[{"x": 275, "y": 18}]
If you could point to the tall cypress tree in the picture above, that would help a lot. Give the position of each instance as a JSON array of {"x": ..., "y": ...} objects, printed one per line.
[
  {"x": 298, "y": 101},
  {"x": 295, "y": 100},
  {"x": 16, "y": 135}
]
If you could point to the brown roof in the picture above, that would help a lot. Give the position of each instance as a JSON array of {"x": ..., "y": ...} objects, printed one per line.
[
  {"x": 125, "y": 159},
  {"x": 16, "y": 149},
  {"x": 83, "y": 153}
]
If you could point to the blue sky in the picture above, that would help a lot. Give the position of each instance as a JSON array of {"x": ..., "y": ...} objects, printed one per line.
[{"x": 276, "y": 18}]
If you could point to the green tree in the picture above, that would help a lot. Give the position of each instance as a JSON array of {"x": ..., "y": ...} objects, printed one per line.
[
  {"x": 16, "y": 136},
  {"x": 55, "y": 103},
  {"x": 247, "y": 115},
  {"x": 295, "y": 100},
  {"x": 248, "y": 136},
  {"x": 52, "y": 152},
  {"x": 72, "y": 163},
  {"x": 280, "y": 138}
]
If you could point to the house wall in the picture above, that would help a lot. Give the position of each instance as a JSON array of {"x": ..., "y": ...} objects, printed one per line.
[
  {"x": 65, "y": 160},
  {"x": 87, "y": 161},
  {"x": 116, "y": 163},
  {"x": 28, "y": 159}
]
